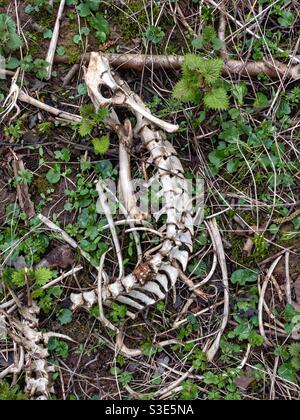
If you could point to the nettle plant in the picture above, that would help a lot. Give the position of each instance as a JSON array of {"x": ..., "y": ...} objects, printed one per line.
[
  {"x": 9, "y": 38},
  {"x": 201, "y": 83}
]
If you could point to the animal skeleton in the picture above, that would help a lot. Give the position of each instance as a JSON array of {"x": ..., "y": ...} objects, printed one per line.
[{"x": 158, "y": 272}]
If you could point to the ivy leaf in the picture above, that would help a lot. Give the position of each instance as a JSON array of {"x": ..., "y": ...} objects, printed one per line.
[
  {"x": 244, "y": 276},
  {"x": 65, "y": 316},
  {"x": 287, "y": 372},
  {"x": 101, "y": 145},
  {"x": 100, "y": 24},
  {"x": 232, "y": 166},
  {"x": 216, "y": 99},
  {"x": 54, "y": 174},
  {"x": 261, "y": 100}
]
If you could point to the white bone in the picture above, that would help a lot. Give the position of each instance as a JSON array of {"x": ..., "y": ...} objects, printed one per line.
[
  {"x": 153, "y": 287},
  {"x": 135, "y": 294},
  {"x": 172, "y": 273},
  {"x": 181, "y": 256},
  {"x": 162, "y": 279}
]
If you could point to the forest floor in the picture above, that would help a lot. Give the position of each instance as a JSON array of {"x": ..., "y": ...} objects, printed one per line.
[{"x": 246, "y": 150}]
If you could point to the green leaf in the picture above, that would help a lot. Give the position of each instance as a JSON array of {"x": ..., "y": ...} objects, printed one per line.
[
  {"x": 239, "y": 91},
  {"x": 18, "y": 278},
  {"x": 48, "y": 34},
  {"x": 211, "y": 70},
  {"x": 63, "y": 155},
  {"x": 42, "y": 276},
  {"x": 261, "y": 100},
  {"x": 192, "y": 62},
  {"x": 65, "y": 316},
  {"x": 217, "y": 99},
  {"x": 100, "y": 24},
  {"x": 209, "y": 34},
  {"x": 54, "y": 174},
  {"x": 244, "y": 276},
  {"x": 61, "y": 50},
  {"x": 287, "y": 19},
  {"x": 186, "y": 92},
  {"x": 198, "y": 43},
  {"x": 86, "y": 126},
  {"x": 287, "y": 372},
  {"x": 84, "y": 10},
  {"x": 12, "y": 63},
  {"x": 232, "y": 166},
  {"x": 101, "y": 145},
  {"x": 154, "y": 34},
  {"x": 198, "y": 268}
]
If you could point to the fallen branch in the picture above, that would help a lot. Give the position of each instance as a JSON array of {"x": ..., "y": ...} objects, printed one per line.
[{"x": 252, "y": 68}]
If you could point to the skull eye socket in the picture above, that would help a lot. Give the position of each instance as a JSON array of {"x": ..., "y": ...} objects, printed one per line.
[{"x": 106, "y": 92}]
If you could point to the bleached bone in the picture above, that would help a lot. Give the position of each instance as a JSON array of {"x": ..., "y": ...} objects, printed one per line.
[
  {"x": 23, "y": 330},
  {"x": 159, "y": 270},
  {"x": 54, "y": 39},
  {"x": 99, "y": 75}
]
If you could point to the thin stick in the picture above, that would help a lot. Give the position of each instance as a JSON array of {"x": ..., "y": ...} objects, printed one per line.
[
  {"x": 262, "y": 300},
  {"x": 219, "y": 249},
  {"x": 54, "y": 39},
  {"x": 104, "y": 321},
  {"x": 62, "y": 115},
  {"x": 288, "y": 290},
  {"x": 107, "y": 212}
]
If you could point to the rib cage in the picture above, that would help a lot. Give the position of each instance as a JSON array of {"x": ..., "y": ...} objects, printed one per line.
[{"x": 161, "y": 268}]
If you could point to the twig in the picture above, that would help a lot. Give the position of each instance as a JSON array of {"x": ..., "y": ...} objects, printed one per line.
[
  {"x": 104, "y": 321},
  {"x": 54, "y": 39},
  {"x": 62, "y": 115},
  {"x": 219, "y": 249},
  {"x": 288, "y": 290},
  {"x": 262, "y": 300},
  {"x": 108, "y": 215},
  {"x": 252, "y": 68}
]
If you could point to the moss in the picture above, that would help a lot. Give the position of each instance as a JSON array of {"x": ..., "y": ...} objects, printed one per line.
[
  {"x": 133, "y": 18},
  {"x": 41, "y": 185},
  {"x": 11, "y": 394}
]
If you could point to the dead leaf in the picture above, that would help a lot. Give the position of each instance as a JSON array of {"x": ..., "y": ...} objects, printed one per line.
[
  {"x": 297, "y": 289},
  {"x": 62, "y": 257},
  {"x": 243, "y": 382}
]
